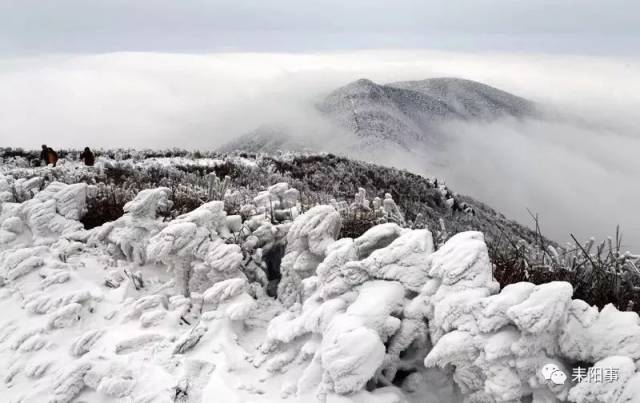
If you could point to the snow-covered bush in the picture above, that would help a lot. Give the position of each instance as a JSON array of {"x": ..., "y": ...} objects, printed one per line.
[
  {"x": 44, "y": 217},
  {"x": 194, "y": 247},
  {"x": 279, "y": 201},
  {"x": 353, "y": 306},
  {"x": 509, "y": 336},
  {"x": 360, "y": 202},
  {"x": 129, "y": 235},
  {"x": 600, "y": 273},
  {"x": 386, "y": 302},
  {"x": 307, "y": 242}
]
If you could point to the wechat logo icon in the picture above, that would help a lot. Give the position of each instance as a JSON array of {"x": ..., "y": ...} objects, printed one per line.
[{"x": 552, "y": 373}]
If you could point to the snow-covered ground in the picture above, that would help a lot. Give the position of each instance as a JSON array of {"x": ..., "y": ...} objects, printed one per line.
[{"x": 145, "y": 309}]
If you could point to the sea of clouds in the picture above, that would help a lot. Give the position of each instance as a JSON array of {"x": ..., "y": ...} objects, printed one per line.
[{"x": 579, "y": 167}]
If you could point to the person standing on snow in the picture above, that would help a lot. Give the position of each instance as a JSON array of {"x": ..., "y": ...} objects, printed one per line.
[
  {"x": 88, "y": 157},
  {"x": 48, "y": 155}
]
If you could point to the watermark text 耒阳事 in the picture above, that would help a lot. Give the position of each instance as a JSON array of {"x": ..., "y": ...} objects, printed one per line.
[
  {"x": 551, "y": 372},
  {"x": 595, "y": 374}
]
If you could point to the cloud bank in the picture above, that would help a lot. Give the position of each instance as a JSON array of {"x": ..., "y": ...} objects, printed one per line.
[{"x": 579, "y": 170}]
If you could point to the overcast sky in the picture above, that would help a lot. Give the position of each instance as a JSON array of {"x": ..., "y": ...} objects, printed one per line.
[{"x": 94, "y": 26}]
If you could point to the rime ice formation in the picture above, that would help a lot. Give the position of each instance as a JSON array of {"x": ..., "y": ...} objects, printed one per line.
[
  {"x": 193, "y": 245},
  {"x": 355, "y": 306},
  {"x": 391, "y": 209},
  {"x": 128, "y": 235},
  {"x": 307, "y": 242},
  {"x": 446, "y": 311},
  {"x": 360, "y": 202},
  {"x": 43, "y": 219},
  {"x": 508, "y": 336},
  {"x": 279, "y": 200},
  {"x": 150, "y": 309}
]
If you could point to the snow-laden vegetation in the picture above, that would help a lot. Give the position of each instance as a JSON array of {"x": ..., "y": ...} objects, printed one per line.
[{"x": 217, "y": 288}]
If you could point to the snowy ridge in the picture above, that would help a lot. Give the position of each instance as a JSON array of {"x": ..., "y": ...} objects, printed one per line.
[
  {"x": 269, "y": 140},
  {"x": 143, "y": 309}
]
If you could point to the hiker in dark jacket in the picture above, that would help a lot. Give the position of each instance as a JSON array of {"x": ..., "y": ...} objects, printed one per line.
[
  {"x": 88, "y": 157},
  {"x": 48, "y": 155}
]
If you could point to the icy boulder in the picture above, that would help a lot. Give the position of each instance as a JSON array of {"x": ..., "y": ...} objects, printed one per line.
[{"x": 307, "y": 242}]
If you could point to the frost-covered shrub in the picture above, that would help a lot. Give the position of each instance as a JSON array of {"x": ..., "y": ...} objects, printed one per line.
[
  {"x": 360, "y": 202},
  {"x": 386, "y": 303},
  {"x": 194, "y": 246},
  {"x": 509, "y": 336},
  {"x": 45, "y": 216},
  {"x": 353, "y": 306},
  {"x": 279, "y": 201},
  {"x": 307, "y": 242},
  {"x": 599, "y": 273},
  {"x": 127, "y": 237},
  {"x": 104, "y": 204},
  {"x": 24, "y": 189},
  {"x": 391, "y": 210}
]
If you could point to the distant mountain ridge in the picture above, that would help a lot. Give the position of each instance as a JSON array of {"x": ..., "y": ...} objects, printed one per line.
[
  {"x": 405, "y": 114},
  {"x": 471, "y": 99},
  {"x": 408, "y": 112}
]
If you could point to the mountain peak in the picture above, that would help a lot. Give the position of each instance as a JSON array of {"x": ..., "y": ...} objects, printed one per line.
[
  {"x": 363, "y": 82},
  {"x": 405, "y": 114}
]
